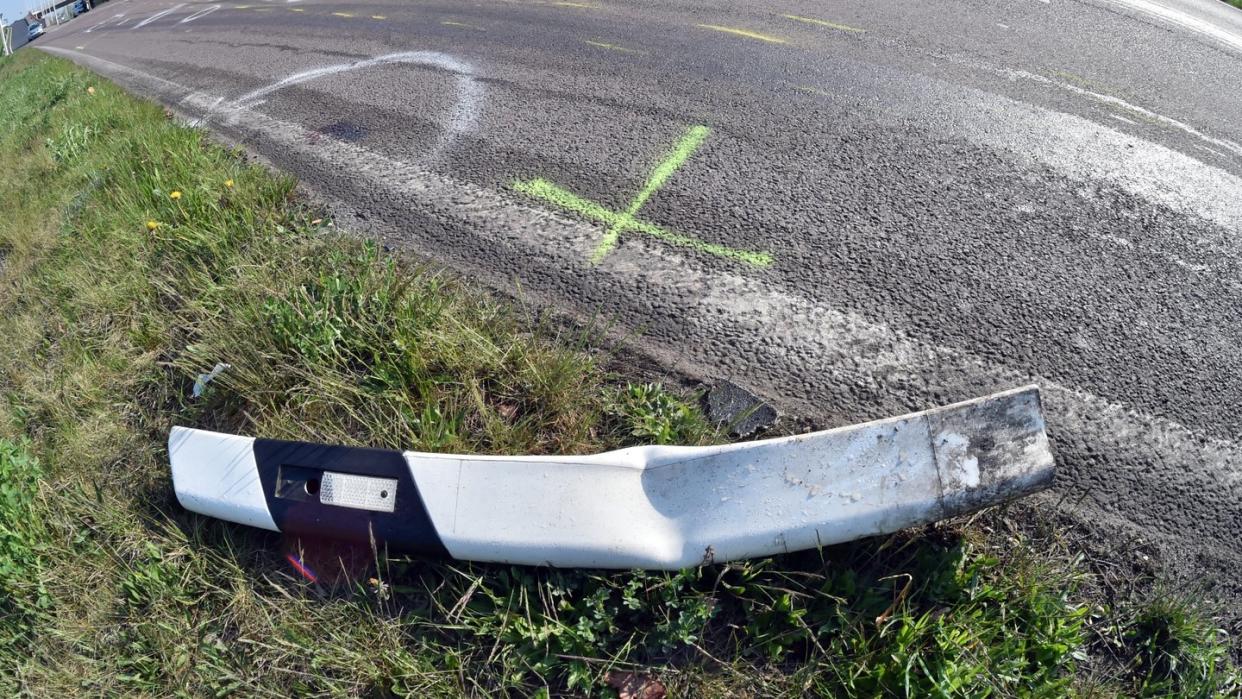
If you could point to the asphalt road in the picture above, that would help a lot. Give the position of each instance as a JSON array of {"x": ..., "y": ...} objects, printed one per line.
[{"x": 854, "y": 208}]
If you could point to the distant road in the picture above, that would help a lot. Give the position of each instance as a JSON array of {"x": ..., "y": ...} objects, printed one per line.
[{"x": 854, "y": 208}]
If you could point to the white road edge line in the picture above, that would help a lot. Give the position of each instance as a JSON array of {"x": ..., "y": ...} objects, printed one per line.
[
  {"x": 1118, "y": 102},
  {"x": 1183, "y": 20}
]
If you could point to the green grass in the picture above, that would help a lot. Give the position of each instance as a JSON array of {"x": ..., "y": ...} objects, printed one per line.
[
  {"x": 108, "y": 588},
  {"x": 1235, "y": 3}
]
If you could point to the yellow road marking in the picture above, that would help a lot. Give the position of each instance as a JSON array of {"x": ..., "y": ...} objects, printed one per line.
[
  {"x": 451, "y": 23},
  {"x": 297, "y": 9},
  {"x": 566, "y": 3},
  {"x": 743, "y": 32},
  {"x": 825, "y": 23},
  {"x": 378, "y": 17},
  {"x": 242, "y": 7},
  {"x": 344, "y": 14},
  {"x": 610, "y": 47}
]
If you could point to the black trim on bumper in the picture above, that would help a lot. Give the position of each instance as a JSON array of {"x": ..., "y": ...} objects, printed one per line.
[{"x": 408, "y": 528}]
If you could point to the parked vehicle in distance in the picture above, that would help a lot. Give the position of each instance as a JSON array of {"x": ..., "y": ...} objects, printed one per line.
[
  {"x": 35, "y": 30},
  {"x": 80, "y": 7}
]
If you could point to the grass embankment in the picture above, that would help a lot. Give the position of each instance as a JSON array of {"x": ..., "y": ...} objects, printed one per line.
[{"x": 108, "y": 588}]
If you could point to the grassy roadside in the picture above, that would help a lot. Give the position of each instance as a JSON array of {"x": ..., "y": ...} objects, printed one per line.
[{"x": 135, "y": 255}]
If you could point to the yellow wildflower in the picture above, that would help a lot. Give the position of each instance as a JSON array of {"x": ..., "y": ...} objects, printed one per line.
[
  {"x": 174, "y": 194},
  {"x": 90, "y": 90},
  {"x": 228, "y": 184},
  {"x": 152, "y": 225}
]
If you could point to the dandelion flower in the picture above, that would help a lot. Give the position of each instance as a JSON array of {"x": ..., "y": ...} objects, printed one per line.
[
  {"x": 152, "y": 225},
  {"x": 228, "y": 184},
  {"x": 90, "y": 90},
  {"x": 174, "y": 194}
]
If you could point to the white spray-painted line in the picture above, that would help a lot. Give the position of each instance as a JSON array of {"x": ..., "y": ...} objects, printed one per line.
[
  {"x": 157, "y": 15},
  {"x": 1141, "y": 168},
  {"x": 1186, "y": 21},
  {"x": 466, "y": 108},
  {"x": 1124, "y": 120},
  {"x": 97, "y": 26},
  {"x": 1138, "y": 166},
  {"x": 740, "y": 306},
  {"x": 1213, "y": 151},
  {"x": 1014, "y": 74},
  {"x": 201, "y": 13}
]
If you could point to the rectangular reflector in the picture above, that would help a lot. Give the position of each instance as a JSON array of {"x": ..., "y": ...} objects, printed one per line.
[{"x": 359, "y": 492}]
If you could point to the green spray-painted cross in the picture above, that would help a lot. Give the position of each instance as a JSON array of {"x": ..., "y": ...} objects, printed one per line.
[{"x": 619, "y": 222}]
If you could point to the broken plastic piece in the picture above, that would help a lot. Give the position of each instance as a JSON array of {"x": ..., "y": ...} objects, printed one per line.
[
  {"x": 662, "y": 507},
  {"x": 200, "y": 383}
]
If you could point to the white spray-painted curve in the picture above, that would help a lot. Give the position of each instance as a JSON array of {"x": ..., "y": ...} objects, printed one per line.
[{"x": 466, "y": 108}]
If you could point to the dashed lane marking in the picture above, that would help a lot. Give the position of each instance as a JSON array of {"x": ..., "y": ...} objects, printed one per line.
[
  {"x": 344, "y": 14},
  {"x": 462, "y": 25},
  {"x": 825, "y": 23},
  {"x": 743, "y": 32}
]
